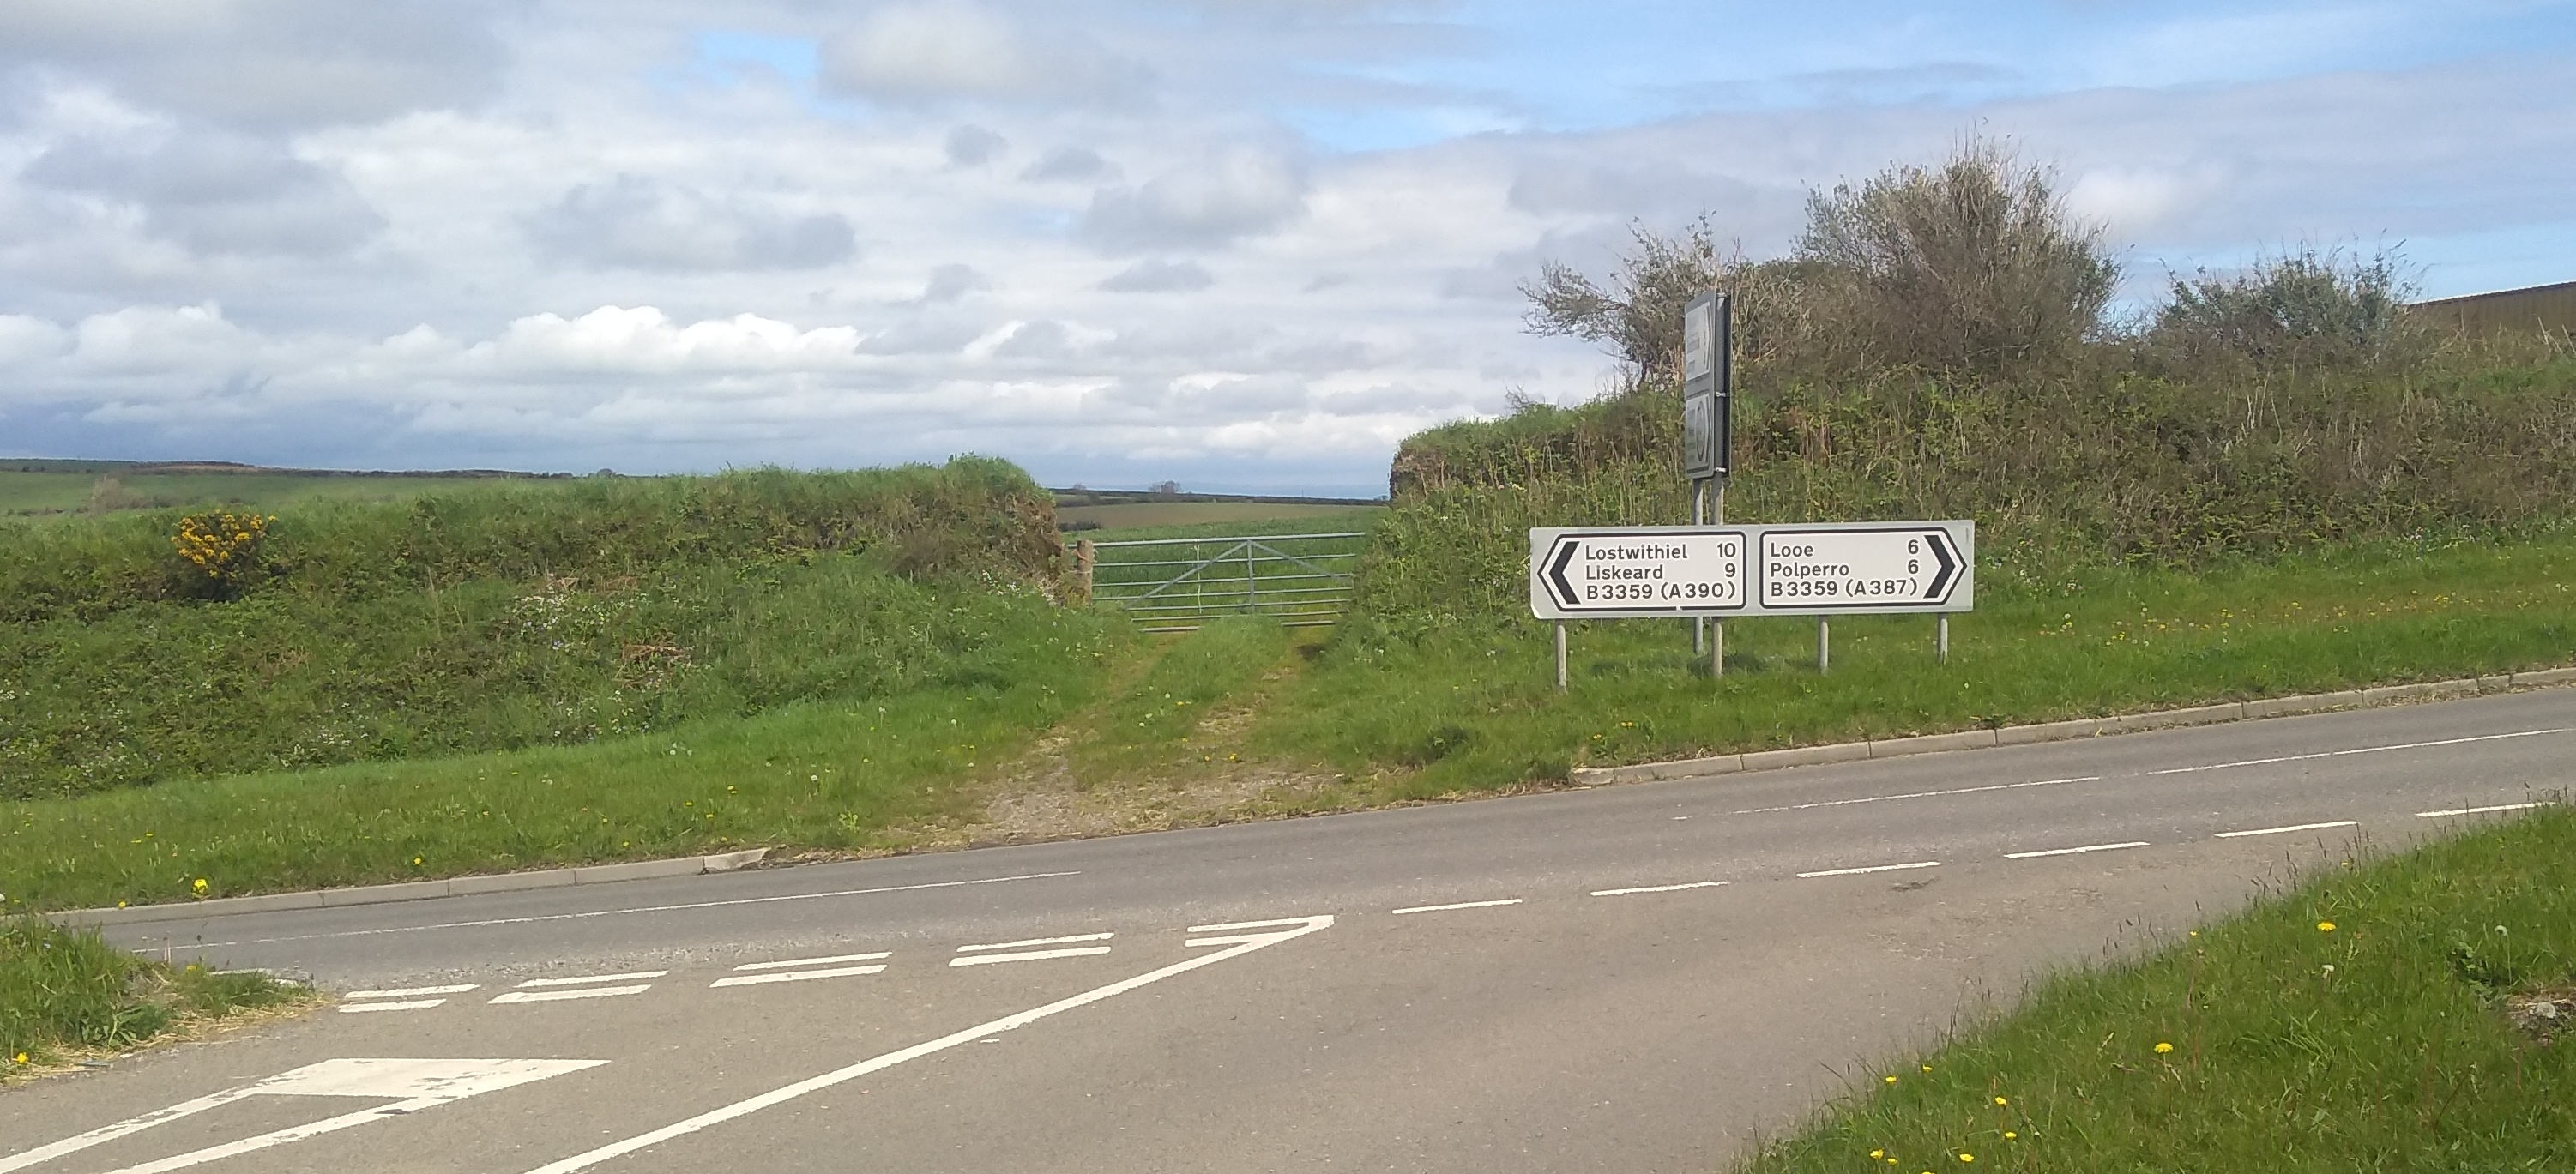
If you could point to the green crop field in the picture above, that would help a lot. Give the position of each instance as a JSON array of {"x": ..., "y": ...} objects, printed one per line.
[
  {"x": 1156, "y": 519},
  {"x": 38, "y": 493}
]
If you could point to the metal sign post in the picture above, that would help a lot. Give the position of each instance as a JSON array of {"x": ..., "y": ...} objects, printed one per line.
[
  {"x": 1712, "y": 572},
  {"x": 1708, "y": 425}
]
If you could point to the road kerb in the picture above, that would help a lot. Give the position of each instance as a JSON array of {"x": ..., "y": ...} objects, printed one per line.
[
  {"x": 504, "y": 882},
  {"x": 2198, "y": 715}
]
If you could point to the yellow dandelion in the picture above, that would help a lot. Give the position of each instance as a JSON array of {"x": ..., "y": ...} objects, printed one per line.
[
  {"x": 2001, "y": 1101},
  {"x": 1878, "y": 1153},
  {"x": 2163, "y": 1048},
  {"x": 2009, "y": 1135},
  {"x": 2325, "y": 927},
  {"x": 200, "y": 886},
  {"x": 415, "y": 861},
  {"x": 1967, "y": 1157},
  {"x": 1927, "y": 1068},
  {"x": 22, "y": 1058},
  {"x": 1891, "y": 1079}
]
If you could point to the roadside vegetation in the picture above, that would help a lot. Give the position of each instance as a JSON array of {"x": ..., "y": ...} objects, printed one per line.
[
  {"x": 66, "y": 995},
  {"x": 2415, "y": 1012},
  {"x": 2274, "y": 483}
]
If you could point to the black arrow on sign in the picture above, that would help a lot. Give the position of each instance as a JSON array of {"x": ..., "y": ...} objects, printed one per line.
[
  {"x": 1556, "y": 573},
  {"x": 1949, "y": 566}
]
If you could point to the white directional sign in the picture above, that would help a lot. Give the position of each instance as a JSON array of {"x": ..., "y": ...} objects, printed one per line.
[
  {"x": 1637, "y": 571},
  {"x": 1890, "y": 567},
  {"x": 1824, "y": 569}
]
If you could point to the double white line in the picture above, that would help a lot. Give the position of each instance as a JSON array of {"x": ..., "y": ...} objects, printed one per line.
[
  {"x": 534, "y": 990},
  {"x": 784, "y": 971},
  {"x": 1020, "y": 951}
]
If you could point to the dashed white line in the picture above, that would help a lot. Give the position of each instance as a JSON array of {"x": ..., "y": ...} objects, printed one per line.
[
  {"x": 2477, "y": 810},
  {"x": 1917, "y": 795},
  {"x": 2075, "y": 851},
  {"x": 796, "y": 976},
  {"x": 491, "y": 921},
  {"x": 1657, "y": 889},
  {"x": 1027, "y": 956},
  {"x": 598, "y": 992},
  {"x": 1027, "y": 942},
  {"x": 2296, "y": 827},
  {"x": 1459, "y": 905},
  {"x": 404, "y": 1005},
  {"x": 1871, "y": 868},
  {"x": 2184, "y": 770},
  {"x": 412, "y": 992},
  {"x": 580, "y": 979},
  {"x": 834, "y": 960}
]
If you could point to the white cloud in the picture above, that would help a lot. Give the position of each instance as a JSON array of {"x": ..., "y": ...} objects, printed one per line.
[
  {"x": 1231, "y": 193},
  {"x": 916, "y": 53},
  {"x": 646, "y": 224}
]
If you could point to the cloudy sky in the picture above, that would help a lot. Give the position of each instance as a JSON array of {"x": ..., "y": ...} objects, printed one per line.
[{"x": 1243, "y": 244}]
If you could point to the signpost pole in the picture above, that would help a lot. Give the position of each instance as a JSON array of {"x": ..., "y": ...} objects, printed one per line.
[
  {"x": 1941, "y": 638},
  {"x": 1824, "y": 644},
  {"x": 1699, "y": 517},
  {"x": 1717, "y": 628},
  {"x": 1560, "y": 656}
]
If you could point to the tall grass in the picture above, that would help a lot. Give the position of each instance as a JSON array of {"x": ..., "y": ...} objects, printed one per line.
[
  {"x": 507, "y": 618},
  {"x": 66, "y": 990}
]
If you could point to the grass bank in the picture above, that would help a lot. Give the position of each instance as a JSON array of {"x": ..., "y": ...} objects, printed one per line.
[
  {"x": 2410, "y": 1013},
  {"x": 67, "y": 994},
  {"x": 1464, "y": 706}
]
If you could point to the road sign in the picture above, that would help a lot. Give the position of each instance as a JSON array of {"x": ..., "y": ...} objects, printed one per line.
[
  {"x": 1637, "y": 571},
  {"x": 1824, "y": 569},
  {"x": 1708, "y": 370},
  {"x": 1881, "y": 567}
]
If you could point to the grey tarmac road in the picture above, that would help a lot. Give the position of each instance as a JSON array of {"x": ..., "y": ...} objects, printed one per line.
[{"x": 1634, "y": 978}]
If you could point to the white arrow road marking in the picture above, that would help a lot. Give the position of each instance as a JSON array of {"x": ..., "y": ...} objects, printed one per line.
[
  {"x": 2296, "y": 827},
  {"x": 1238, "y": 944},
  {"x": 418, "y": 1084}
]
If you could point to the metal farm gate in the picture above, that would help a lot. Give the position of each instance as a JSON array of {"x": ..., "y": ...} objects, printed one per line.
[{"x": 1177, "y": 584}]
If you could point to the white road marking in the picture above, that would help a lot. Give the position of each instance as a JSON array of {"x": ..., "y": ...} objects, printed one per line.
[
  {"x": 1027, "y": 956},
  {"x": 1658, "y": 889},
  {"x": 404, "y": 1005},
  {"x": 1459, "y": 905},
  {"x": 2478, "y": 810},
  {"x": 1087, "y": 937},
  {"x": 412, "y": 992},
  {"x": 579, "y": 979},
  {"x": 597, "y": 992},
  {"x": 491, "y": 921},
  {"x": 836, "y": 958},
  {"x": 2296, "y": 827},
  {"x": 2075, "y": 851},
  {"x": 795, "y": 976},
  {"x": 1237, "y": 947},
  {"x": 1917, "y": 795},
  {"x": 419, "y": 1084},
  {"x": 2184, "y": 770},
  {"x": 1871, "y": 868}
]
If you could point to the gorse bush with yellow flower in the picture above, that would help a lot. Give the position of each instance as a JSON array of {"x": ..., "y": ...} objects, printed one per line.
[{"x": 222, "y": 547}]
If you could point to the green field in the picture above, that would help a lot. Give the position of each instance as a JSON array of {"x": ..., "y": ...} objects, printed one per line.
[
  {"x": 1161, "y": 519},
  {"x": 2384, "y": 1016}
]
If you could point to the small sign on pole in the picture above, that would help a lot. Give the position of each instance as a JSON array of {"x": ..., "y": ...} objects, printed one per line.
[
  {"x": 1628, "y": 572},
  {"x": 1707, "y": 378}
]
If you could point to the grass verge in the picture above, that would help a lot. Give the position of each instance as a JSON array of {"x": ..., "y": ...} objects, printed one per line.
[
  {"x": 2386, "y": 1016},
  {"x": 67, "y": 994},
  {"x": 1467, "y": 708}
]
